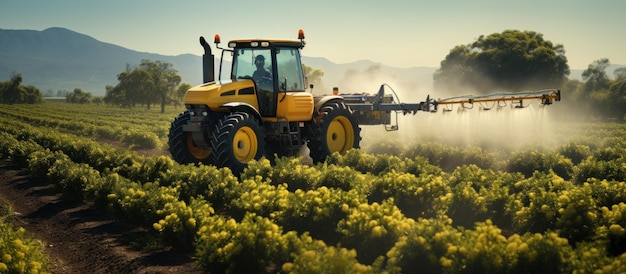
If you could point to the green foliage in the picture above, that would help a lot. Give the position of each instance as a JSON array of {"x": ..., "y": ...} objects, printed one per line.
[
  {"x": 511, "y": 60},
  {"x": 425, "y": 196},
  {"x": 529, "y": 161},
  {"x": 534, "y": 207},
  {"x": 252, "y": 245},
  {"x": 316, "y": 257},
  {"x": 78, "y": 96},
  {"x": 576, "y": 153},
  {"x": 448, "y": 157},
  {"x": 180, "y": 224},
  {"x": 13, "y": 92},
  {"x": 595, "y": 76},
  {"x": 314, "y": 76},
  {"x": 608, "y": 163},
  {"x": 480, "y": 194},
  {"x": 152, "y": 82},
  {"x": 373, "y": 228},
  {"x": 18, "y": 252},
  {"x": 599, "y": 96}
]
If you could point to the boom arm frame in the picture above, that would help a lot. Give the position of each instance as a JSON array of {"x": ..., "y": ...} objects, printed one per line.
[{"x": 376, "y": 109}]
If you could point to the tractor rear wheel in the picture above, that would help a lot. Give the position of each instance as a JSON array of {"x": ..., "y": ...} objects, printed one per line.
[
  {"x": 237, "y": 139},
  {"x": 181, "y": 144},
  {"x": 335, "y": 129}
]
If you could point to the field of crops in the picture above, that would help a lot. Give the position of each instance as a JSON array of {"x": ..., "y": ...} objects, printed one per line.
[{"x": 399, "y": 207}]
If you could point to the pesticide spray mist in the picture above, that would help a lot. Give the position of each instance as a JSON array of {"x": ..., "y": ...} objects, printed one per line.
[{"x": 503, "y": 128}]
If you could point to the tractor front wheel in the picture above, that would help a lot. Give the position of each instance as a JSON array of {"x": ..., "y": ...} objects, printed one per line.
[
  {"x": 181, "y": 144},
  {"x": 237, "y": 139},
  {"x": 335, "y": 129}
]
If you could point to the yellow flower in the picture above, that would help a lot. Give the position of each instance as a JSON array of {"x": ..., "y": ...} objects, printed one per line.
[
  {"x": 192, "y": 222},
  {"x": 617, "y": 230},
  {"x": 445, "y": 262},
  {"x": 288, "y": 267},
  {"x": 377, "y": 231},
  {"x": 309, "y": 254}
]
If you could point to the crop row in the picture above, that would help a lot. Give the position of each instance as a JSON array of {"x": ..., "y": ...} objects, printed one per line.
[
  {"x": 96, "y": 115},
  {"x": 145, "y": 136},
  {"x": 357, "y": 212}
]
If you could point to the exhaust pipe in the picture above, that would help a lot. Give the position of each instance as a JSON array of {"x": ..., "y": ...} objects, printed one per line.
[{"x": 208, "y": 62}]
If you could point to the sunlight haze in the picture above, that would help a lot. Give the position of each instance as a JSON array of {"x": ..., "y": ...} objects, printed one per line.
[{"x": 395, "y": 33}]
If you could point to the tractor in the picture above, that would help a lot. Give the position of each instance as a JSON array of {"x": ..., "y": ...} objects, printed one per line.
[{"x": 266, "y": 107}]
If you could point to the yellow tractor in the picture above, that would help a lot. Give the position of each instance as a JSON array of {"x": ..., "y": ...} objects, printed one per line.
[{"x": 265, "y": 107}]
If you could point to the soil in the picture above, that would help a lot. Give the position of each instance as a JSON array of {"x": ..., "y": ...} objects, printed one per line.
[{"x": 78, "y": 237}]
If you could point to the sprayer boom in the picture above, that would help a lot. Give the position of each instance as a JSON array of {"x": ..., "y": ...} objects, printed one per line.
[
  {"x": 377, "y": 109},
  {"x": 547, "y": 97}
]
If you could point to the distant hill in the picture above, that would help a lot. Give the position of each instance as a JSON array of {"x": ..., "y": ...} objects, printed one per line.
[{"x": 61, "y": 59}]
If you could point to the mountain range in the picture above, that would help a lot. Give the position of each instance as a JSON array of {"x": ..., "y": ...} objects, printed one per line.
[{"x": 61, "y": 59}]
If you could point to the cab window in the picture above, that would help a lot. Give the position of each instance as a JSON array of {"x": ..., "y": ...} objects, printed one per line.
[{"x": 289, "y": 69}]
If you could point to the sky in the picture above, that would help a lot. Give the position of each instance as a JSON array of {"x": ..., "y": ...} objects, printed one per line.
[{"x": 401, "y": 33}]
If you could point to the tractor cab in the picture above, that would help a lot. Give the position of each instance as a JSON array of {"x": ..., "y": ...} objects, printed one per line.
[{"x": 273, "y": 65}]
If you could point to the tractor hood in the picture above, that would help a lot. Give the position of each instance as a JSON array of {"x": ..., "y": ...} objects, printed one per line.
[{"x": 215, "y": 94}]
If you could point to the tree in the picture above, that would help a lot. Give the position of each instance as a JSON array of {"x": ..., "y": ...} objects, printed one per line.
[
  {"x": 135, "y": 87},
  {"x": 601, "y": 94},
  {"x": 78, "y": 97},
  {"x": 512, "y": 60},
  {"x": 620, "y": 73},
  {"x": 181, "y": 91},
  {"x": 149, "y": 83},
  {"x": 113, "y": 95},
  {"x": 98, "y": 100},
  {"x": 164, "y": 80},
  {"x": 617, "y": 92},
  {"x": 314, "y": 76},
  {"x": 13, "y": 92},
  {"x": 595, "y": 76}
]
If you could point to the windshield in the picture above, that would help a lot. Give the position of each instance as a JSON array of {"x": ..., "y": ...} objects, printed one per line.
[
  {"x": 247, "y": 61},
  {"x": 256, "y": 64}
]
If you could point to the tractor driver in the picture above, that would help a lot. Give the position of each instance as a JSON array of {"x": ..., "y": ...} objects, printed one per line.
[
  {"x": 261, "y": 74},
  {"x": 263, "y": 79}
]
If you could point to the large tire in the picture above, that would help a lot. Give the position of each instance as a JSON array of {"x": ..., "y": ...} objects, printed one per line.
[
  {"x": 181, "y": 144},
  {"x": 237, "y": 139},
  {"x": 335, "y": 129}
]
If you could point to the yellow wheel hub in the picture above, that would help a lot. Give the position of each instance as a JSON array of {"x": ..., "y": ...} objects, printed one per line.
[
  {"x": 196, "y": 151},
  {"x": 340, "y": 135},
  {"x": 245, "y": 144}
]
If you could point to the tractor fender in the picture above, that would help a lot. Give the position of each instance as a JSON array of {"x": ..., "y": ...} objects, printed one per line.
[
  {"x": 243, "y": 107},
  {"x": 324, "y": 100}
]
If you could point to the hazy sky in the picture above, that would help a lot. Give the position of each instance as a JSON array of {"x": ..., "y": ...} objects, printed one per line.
[{"x": 404, "y": 33}]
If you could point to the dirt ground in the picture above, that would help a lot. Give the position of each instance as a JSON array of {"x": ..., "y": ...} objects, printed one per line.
[{"x": 78, "y": 238}]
